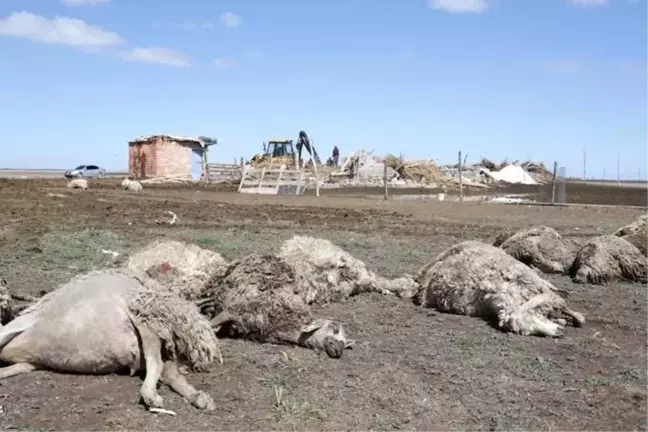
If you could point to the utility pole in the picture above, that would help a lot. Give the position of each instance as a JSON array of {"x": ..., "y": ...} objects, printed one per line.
[
  {"x": 584, "y": 165},
  {"x": 604, "y": 178},
  {"x": 619, "y": 169}
]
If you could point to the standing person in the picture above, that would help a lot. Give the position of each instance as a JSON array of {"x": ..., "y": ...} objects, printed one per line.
[{"x": 336, "y": 156}]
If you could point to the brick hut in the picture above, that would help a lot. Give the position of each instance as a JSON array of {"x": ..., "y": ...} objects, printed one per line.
[{"x": 168, "y": 156}]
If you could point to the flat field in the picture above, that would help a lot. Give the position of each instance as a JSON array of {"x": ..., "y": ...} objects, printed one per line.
[{"x": 412, "y": 368}]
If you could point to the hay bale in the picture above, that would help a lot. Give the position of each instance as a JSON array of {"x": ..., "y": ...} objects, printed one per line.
[
  {"x": 333, "y": 274},
  {"x": 636, "y": 233},
  {"x": 183, "y": 267},
  {"x": 542, "y": 248},
  {"x": 6, "y": 303},
  {"x": 476, "y": 279},
  {"x": 607, "y": 259},
  {"x": 262, "y": 292},
  {"x": 78, "y": 183}
]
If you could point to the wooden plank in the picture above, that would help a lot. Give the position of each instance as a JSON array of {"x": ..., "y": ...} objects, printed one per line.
[{"x": 261, "y": 181}]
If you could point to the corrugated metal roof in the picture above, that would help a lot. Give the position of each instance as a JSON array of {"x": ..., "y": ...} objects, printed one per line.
[{"x": 203, "y": 141}]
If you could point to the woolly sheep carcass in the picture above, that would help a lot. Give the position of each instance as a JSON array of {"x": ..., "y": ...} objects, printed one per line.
[
  {"x": 476, "y": 279},
  {"x": 540, "y": 247},
  {"x": 333, "y": 274},
  {"x": 636, "y": 233},
  {"x": 6, "y": 303},
  {"x": 258, "y": 299},
  {"x": 78, "y": 183},
  {"x": 182, "y": 267},
  {"x": 609, "y": 258},
  {"x": 140, "y": 327},
  {"x": 131, "y": 185}
]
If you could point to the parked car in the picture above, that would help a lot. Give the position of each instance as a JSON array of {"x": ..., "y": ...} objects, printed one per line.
[{"x": 87, "y": 171}]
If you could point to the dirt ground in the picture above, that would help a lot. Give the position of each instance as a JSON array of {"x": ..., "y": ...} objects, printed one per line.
[{"x": 412, "y": 369}]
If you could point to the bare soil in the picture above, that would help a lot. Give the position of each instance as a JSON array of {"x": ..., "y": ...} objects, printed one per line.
[{"x": 413, "y": 368}]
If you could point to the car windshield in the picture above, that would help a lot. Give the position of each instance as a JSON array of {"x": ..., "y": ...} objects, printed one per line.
[{"x": 80, "y": 167}]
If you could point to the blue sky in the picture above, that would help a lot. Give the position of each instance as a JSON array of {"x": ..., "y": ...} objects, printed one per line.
[{"x": 516, "y": 79}]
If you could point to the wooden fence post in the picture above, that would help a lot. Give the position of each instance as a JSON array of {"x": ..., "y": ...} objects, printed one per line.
[
  {"x": 385, "y": 166},
  {"x": 553, "y": 184},
  {"x": 460, "y": 179}
]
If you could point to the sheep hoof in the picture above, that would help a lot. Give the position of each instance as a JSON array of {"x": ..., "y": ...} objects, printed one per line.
[
  {"x": 203, "y": 401},
  {"x": 153, "y": 400},
  {"x": 334, "y": 348}
]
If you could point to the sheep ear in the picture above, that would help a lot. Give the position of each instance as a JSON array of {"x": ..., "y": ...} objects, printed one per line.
[{"x": 318, "y": 323}]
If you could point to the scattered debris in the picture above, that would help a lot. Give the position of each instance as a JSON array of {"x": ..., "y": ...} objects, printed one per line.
[
  {"x": 162, "y": 411},
  {"x": 172, "y": 221},
  {"x": 180, "y": 178},
  {"x": 109, "y": 252},
  {"x": 56, "y": 195}
]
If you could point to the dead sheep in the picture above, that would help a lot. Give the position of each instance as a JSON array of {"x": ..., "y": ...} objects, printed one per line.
[
  {"x": 109, "y": 321},
  {"x": 258, "y": 299},
  {"x": 6, "y": 303},
  {"x": 480, "y": 280},
  {"x": 131, "y": 185},
  {"x": 636, "y": 233},
  {"x": 607, "y": 259},
  {"x": 334, "y": 274},
  {"x": 183, "y": 267},
  {"x": 78, "y": 184},
  {"x": 542, "y": 248}
]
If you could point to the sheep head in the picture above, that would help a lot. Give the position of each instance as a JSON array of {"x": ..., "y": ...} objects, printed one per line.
[
  {"x": 324, "y": 334},
  {"x": 6, "y": 303}
]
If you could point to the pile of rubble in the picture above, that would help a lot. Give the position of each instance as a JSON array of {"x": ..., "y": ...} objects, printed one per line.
[{"x": 364, "y": 169}]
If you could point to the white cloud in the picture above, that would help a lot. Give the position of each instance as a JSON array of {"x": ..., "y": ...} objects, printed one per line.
[
  {"x": 161, "y": 56},
  {"x": 75, "y": 3},
  {"x": 587, "y": 3},
  {"x": 230, "y": 20},
  {"x": 459, "y": 6},
  {"x": 57, "y": 31},
  {"x": 222, "y": 63}
]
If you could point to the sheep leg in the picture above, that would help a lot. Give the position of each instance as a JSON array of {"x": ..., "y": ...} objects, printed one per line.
[
  {"x": 577, "y": 318},
  {"x": 288, "y": 338},
  {"x": 16, "y": 369},
  {"x": 171, "y": 376},
  {"x": 152, "y": 348},
  {"x": 222, "y": 318}
]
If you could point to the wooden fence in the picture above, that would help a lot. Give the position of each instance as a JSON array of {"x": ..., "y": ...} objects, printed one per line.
[
  {"x": 223, "y": 173},
  {"x": 272, "y": 181}
]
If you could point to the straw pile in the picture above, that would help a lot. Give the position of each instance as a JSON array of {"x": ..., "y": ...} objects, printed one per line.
[
  {"x": 266, "y": 161},
  {"x": 418, "y": 171}
]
